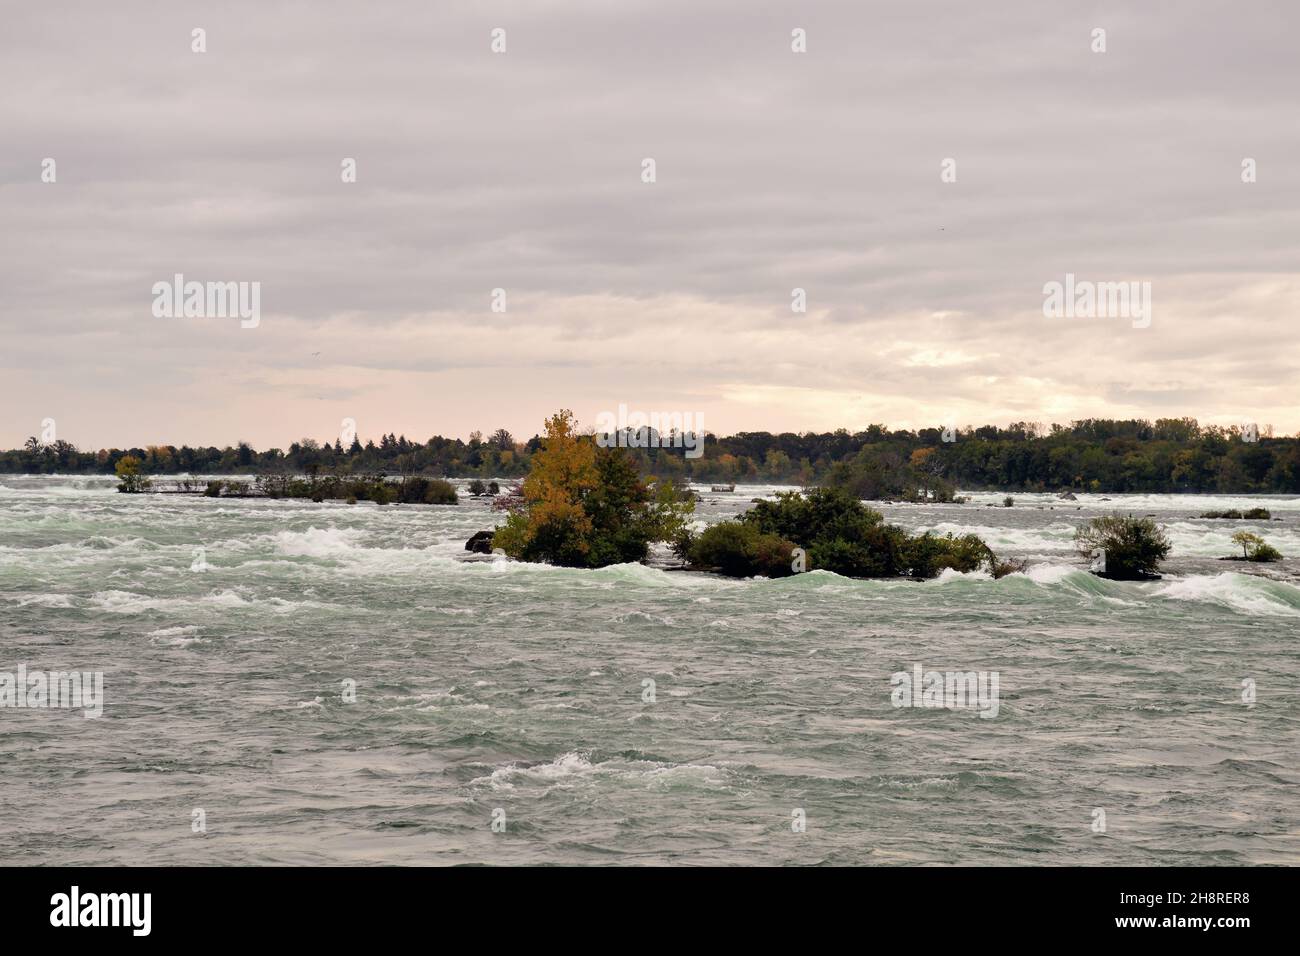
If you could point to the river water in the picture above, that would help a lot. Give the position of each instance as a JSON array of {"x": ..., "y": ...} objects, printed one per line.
[{"x": 633, "y": 714}]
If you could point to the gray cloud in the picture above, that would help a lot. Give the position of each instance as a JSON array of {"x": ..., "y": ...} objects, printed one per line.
[{"x": 521, "y": 171}]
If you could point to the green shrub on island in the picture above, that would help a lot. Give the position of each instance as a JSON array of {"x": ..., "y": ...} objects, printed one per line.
[
  {"x": 1131, "y": 548},
  {"x": 1266, "y": 552},
  {"x": 1254, "y": 548},
  {"x": 479, "y": 488},
  {"x": 814, "y": 515},
  {"x": 412, "y": 489},
  {"x": 231, "y": 489},
  {"x": 928, "y": 555},
  {"x": 586, "y": 506},
  {"x": 1008, "y": 502},
  {"x": 838, "y": 533},
  {"x": 1254, "y": 514},
  {"x": 741, "y": 550},
  {"x": 417, "y": 489}
]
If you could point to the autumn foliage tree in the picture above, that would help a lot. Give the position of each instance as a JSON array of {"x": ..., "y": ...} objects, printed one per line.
[
  {"x": 129, "y": 477},
  {"x": 586, "y": 506}
]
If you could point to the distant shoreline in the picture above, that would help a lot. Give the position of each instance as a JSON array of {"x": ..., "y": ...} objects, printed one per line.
[
  {"x": 1168, "y": 456},
  {"x": 702, "y": 486}
]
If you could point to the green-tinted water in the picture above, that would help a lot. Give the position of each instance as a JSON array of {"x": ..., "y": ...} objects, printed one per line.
[{"x": 492, "y": 686}]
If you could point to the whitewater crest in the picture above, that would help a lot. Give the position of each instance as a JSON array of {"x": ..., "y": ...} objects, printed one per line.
[
  {"x": 574, "y": 768},
  {"x": 1246, "y": 593}
]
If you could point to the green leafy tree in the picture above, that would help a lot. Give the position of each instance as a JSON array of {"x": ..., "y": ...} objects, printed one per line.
[
  {"x": 1132, "y": 548},
  {"x": 1247, "y": 541},
  {"x": 1254, "y": 548}
]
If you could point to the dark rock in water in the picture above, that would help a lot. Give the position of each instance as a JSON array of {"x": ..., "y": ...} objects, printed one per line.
[
  {"x": 481, "y": 543},
  {"x": 1135, "y": 576},
  {"x": 1068, "y": 496}
]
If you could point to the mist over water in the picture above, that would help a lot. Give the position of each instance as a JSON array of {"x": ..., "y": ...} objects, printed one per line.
[{"x": 486, "y": 685}]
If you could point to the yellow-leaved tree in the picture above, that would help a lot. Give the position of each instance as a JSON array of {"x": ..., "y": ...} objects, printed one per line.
[
  {"x": 586, "y": 506},
  {"x": 128, "y": 473},
  {"x": 552, "y": 519}
]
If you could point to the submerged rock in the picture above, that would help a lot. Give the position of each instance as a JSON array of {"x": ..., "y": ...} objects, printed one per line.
[
  {"x": 1131, "y": 576},
  {"x": 480, "y": 543}
]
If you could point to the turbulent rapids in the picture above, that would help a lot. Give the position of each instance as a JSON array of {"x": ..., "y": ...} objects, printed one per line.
[{"x": 633, "y": 713}]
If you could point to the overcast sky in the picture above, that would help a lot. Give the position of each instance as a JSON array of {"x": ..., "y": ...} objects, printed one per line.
[{"x": 523, "y": 171}]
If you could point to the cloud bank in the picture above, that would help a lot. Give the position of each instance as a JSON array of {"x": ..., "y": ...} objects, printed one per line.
[{"x": 522, "y": 171}]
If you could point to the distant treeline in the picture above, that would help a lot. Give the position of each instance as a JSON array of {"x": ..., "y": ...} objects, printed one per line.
[{"x": 1100, "y": 455}]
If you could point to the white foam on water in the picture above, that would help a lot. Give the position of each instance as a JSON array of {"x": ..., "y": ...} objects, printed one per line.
[
  {"x": 1137, "y": 503},
  {"x": 125, "y": 602},
  {"x": 576, "y": 767},
  {"x": 1241, "y": 592},
  {"x": 949, "y": 575},
  {"x": 176, "y": 636},
  {"x": 1049, "y": 573},
  {"x": 129, "y": 602},
  {"x": 173, "y": 631},
  {"x": 41, "y": 600},
  {"x": 1056, "y": 537},
  {"x": 1213, "y": 537},
  {"x": 317, "y": 542}
]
